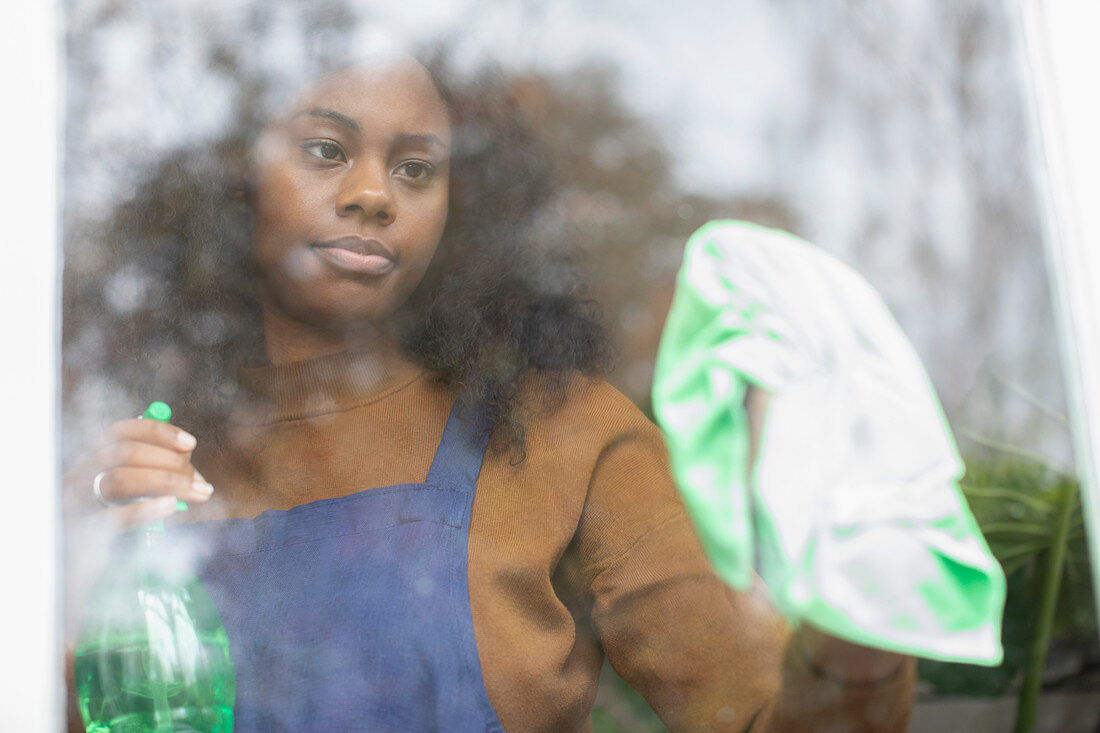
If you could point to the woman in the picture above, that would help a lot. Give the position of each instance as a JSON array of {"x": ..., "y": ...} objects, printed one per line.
[{"x": 428, "y": 513}]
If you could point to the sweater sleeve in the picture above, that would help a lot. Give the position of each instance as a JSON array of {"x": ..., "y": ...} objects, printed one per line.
[{"x": 704, "y": 656}]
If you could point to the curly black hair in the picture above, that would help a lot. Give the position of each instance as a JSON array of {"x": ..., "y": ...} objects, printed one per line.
[{"x": 493, "y": 311}]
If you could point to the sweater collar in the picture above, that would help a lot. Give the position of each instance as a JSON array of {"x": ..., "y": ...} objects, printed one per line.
[{"x": 324, "y": 385}]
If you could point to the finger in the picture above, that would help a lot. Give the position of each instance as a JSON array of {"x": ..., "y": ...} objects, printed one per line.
[
  {"x": 78, "y": 493},
  {"x": 136, "y": 454},
  {"x": 155, "y": 432},
  {"x": 128, "y": 484}
]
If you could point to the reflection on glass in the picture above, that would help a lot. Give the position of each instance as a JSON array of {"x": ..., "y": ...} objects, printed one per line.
[{"x": 892, "y": 137}]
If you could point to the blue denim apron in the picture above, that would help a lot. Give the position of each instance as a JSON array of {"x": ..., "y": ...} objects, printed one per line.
[{"x": 353, "y": 613}]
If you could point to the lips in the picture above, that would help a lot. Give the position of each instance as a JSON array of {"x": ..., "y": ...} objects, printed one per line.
[{"x": 356, "y": 255}]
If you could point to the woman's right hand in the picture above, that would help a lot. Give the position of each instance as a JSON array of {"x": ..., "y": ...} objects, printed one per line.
[{"x": 143, "y": 466}]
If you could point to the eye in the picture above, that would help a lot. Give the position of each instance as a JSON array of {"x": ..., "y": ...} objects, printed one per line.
[
  {"x": 417, "y": 170},
  {"x": 325, "y": 150}
]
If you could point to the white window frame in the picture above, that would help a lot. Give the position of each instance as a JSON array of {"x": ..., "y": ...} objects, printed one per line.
[
  {"x": 32, "y": 671},
  {"x": 1061, "y": 57}
]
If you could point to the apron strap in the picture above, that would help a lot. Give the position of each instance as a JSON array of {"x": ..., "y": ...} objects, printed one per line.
[{"x": 457, "y": 461}]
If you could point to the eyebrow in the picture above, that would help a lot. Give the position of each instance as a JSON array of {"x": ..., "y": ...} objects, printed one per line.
[
  {"x": 330, "y": 114},
  {"x": 408, "y": 140},
  {"x": 425, "y": 140}
]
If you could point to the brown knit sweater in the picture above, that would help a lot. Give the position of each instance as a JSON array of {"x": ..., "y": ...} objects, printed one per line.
[{"x": 581, "y": 549}]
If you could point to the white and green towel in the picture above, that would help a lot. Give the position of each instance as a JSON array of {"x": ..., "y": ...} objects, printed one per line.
[{"x": 853, "y": 517}]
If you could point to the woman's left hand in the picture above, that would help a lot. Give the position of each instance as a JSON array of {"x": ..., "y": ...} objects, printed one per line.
[
  {"x": 843, "y": 661},
  {"x": 830, "y": 656}
]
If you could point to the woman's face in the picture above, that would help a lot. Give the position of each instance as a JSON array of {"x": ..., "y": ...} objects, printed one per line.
[{"x": 351, "y": 196}]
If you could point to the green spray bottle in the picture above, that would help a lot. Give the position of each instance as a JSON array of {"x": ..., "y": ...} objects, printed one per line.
[{"x": 152, "y": 655}]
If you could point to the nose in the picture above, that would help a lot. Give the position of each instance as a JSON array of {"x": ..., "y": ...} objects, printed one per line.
[{"x": 365, "y": 192}]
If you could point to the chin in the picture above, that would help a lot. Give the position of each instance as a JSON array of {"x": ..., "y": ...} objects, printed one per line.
[
  {"x": 329, "y": 305},
  {"x": 344, "y": 316}
]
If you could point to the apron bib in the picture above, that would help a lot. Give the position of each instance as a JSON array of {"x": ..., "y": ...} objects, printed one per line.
[{"x": 353, "y": 613}]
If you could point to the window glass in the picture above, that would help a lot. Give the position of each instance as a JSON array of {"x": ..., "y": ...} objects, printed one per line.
[{"x": 893, "y": 136}]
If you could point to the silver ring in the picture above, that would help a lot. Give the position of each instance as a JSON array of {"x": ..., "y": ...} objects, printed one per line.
[{"x": 98, "y": 492}]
